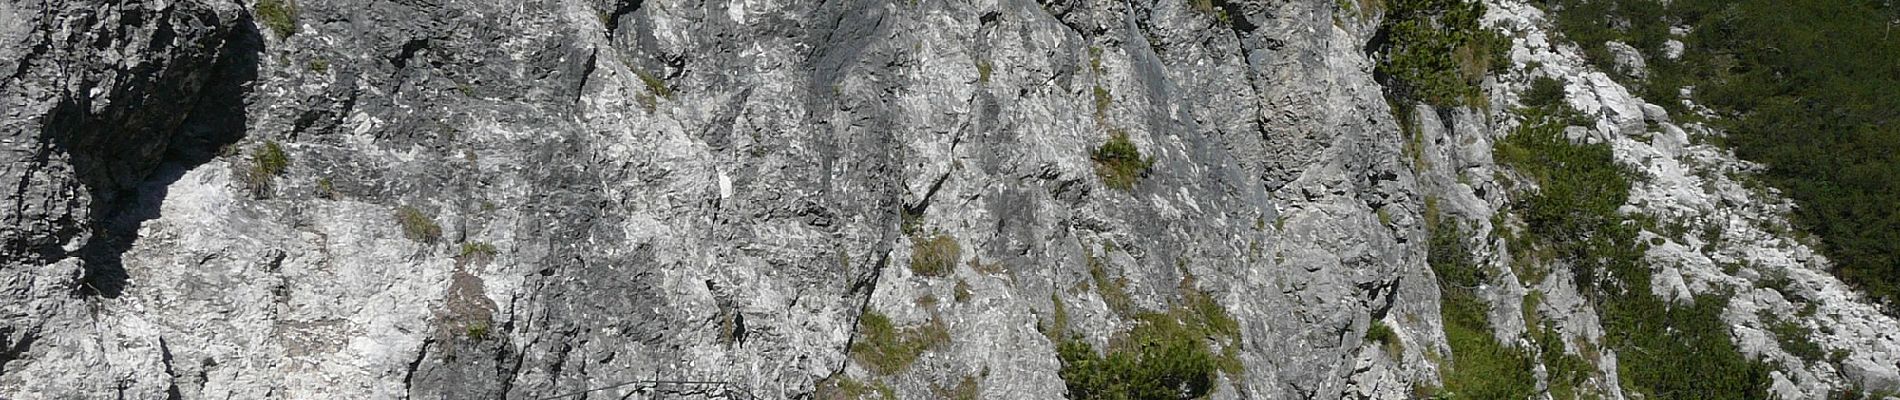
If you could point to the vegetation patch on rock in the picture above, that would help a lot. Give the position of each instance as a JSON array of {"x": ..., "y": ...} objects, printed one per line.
[
  {"x": 887, "y": 349},
  {"x": 1437, "y": 52},
  {"x": 934, "y": 255},
  {"x": 1168, "y": 355},
  {"x": 417, "y": 226},
  {"x": 1119, "y": 163},
  {"x": 1665, "y": 350},
  {"x": 278, "y": 15},
  {"x": 267, "y": 162}
]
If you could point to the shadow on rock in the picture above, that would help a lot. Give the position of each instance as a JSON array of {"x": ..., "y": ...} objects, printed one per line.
[{"x": 213, "y": 119}]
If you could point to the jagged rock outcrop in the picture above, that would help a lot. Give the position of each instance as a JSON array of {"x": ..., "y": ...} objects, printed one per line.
[{"x": 538, "y": 197}]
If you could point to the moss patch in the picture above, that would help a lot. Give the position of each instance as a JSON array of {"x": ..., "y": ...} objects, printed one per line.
[{"x": 278, "y": 15}]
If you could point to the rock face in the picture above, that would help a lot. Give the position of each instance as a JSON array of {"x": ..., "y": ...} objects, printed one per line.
[{"x": 532, "y": 198}]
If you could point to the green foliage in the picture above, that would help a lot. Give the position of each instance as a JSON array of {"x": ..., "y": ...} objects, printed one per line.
[
  {"x": 270, "y": 159},
  {"x": 1167, "y": 364},
  {"x": 1545, "y": 100},
  {"x": 934, "y": 256},
  {"x": 476, "y": 252},
  {"x": 1665, "y": 350},
  {"x": 1166, "y": 356},
  {"x": 1545, "y": 92},
  {"x": 887, "y": 349},
  {"x": 417, "y": 226},
  {"x": 1793, "y": 338},
  {"x": 910, "y": 223},
  {"x": 267, "y": 162},
  {"x": 477, "y": 330},
  {"x": 1567, "y": 372},
  {"x": 1119, "y": 162},
  {"x": 278, "y": 15},
  {"x": 1437, "y": 51},
  {"x": 1580, "y": 189},
  {"x": 1383, "y": 334},
  {"x": 1480, "y": 367},
  {"x": 657, "y": 89},
  {"x": 839, "y": 387},
  {"x": 1805, "y": 86}
]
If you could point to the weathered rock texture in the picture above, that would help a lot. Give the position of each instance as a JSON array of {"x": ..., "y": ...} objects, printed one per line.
[{"x": 719, "y": 190}]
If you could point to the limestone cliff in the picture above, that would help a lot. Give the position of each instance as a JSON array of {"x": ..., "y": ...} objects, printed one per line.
[{"x": 530, "y": 198}]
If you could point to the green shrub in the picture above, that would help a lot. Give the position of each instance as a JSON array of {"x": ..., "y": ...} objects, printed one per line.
[
  {"x": 1437, "y": 51},
  {"x": 1546, "y": 92},
  {"x": 1545, "y": 100},
  {"x": 1579, "y": 190},
  {"x": 417, "y": 226},
  {"x": 886, "y": 349},
  {"x": 1165, "y": 365},
  {"x": 1802, "y": 86},
  {"x": 1566, "y": 372},
  {"x": 1119, "y": 162},
  {"x": 1166, "y": 356},
  {"x": 1665, "y": 350},
  {"x": 1793, "y": 338},
  {"x": 267, "y": 162},
  {"x": 278, "y": 15},
  {"x": 1384, "y": 335},
  {"x": 934, "y": 256},
  {"x": 1480, "y": 367},
  {"x": 1102, "y": 100}
]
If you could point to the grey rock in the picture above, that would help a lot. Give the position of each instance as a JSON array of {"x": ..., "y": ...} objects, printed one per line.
[
  {"x": 541, "y": 197},
  {"x": 1628, "y": 60}
]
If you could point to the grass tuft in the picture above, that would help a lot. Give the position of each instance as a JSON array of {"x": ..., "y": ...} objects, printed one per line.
[
  {"x": 886, "y": 349},
  {"x": 934, "y": 256},
  {"x": 1119, "y": 163},
  {"x": 267, "y": 162},
  {"x": 417, "y": 226}
]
